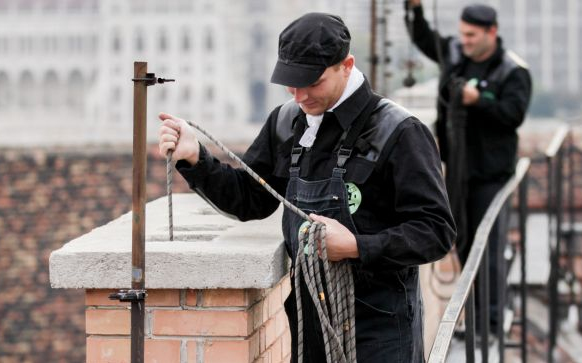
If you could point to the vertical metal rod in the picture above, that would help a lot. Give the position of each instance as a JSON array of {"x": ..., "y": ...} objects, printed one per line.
[
  {"x": 484, "y": 304},
  {"x": 559, "y": 207},
  {"x": 373, "y": 55},
  {"x": 553, "y": 300},
  {"x": 501, "y": 278},
  {"x": 470, "y": 326},
  {"x": 559, "y": 214},
  {"x": 523, "y": 211},
  {"x": 138, "y": 211},
  {"x": 382, "y": 50},
  {"x": 571, "y": 253}
]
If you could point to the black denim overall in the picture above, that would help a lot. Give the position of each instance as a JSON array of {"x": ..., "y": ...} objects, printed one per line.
[{"x": 379, "y": 334}]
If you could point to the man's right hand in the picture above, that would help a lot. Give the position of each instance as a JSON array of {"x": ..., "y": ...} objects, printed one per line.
[{"x": 177, "y": 136}]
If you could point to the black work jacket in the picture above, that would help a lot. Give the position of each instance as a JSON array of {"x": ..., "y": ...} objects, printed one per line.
[
  {"x": 505, "y": 91},
  {"x": 403, "y": 219}
]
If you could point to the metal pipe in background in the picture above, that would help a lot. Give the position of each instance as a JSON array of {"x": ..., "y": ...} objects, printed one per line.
[
  {"x": 523, "y": 212},
  {"x": 373, "y": 54}
]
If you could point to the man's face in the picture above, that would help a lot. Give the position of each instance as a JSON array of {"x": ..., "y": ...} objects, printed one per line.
[
  {"x": 323, "y": 94},
  {"x": 477, "y": 41}
]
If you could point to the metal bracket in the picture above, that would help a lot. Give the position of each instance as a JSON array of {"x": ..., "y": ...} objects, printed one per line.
[
  {"x": 129, "y": 295},
  {"x": 150, "y": 79}
]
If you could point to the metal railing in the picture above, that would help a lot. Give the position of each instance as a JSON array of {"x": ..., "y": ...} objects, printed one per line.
[
  {"x": 477, "y": 262},
  {"x": 555, "y": 156}
]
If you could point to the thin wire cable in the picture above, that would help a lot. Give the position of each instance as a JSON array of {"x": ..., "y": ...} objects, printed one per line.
[{"x": 335, "y": 283}]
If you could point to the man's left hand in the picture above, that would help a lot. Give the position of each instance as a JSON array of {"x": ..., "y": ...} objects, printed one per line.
[
  {"x": 470, "y": 95},
  {"x": 340, "y": 241}
]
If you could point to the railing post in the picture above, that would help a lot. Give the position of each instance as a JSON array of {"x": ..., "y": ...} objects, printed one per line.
[
  {"x": 553, "y": 264},
  {"x": 501, "y": 278},
  {"x": 483, "y": 279},
  {"x": 470, "y": 326},
  {"x": 523, "y": 212}
]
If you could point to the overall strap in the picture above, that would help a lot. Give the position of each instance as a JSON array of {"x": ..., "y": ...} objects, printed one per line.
[
  {"x": 297, "y": 149},
  {"x": 347, "y": 143}
]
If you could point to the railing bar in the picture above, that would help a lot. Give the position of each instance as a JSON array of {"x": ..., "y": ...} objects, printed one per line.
[
  {"x": 557, "y": 141},
  {"x": 452, "y": 312}
]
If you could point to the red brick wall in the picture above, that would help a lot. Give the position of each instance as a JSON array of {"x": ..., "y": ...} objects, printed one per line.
[
  {"x": 212, "y": 326},
  {"x": 48, "y": 198}
]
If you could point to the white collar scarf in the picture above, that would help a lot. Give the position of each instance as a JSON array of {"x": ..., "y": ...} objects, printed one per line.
[{"x": 313, "y": 122}]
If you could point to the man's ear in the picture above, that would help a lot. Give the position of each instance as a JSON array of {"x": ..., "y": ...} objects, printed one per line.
[
  {"x": 492, "y": 30},
  {"x": 348, "y": 63}
]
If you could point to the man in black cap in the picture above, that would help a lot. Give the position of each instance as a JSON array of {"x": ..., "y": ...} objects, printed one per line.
[
  {"x": 358, "y": 163},
  {"x": 484, "y": 92}
]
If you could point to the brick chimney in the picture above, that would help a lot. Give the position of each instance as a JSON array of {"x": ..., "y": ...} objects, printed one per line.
[{"x": 215, "y": 294}]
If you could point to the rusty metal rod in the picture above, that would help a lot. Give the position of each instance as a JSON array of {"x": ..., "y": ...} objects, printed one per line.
[{"x": 138, "y": 211}]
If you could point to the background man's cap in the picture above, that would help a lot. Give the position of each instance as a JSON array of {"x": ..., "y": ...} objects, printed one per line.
[
  {"x": 308, "y": 46},
  {"x": 479, "y": 14}
]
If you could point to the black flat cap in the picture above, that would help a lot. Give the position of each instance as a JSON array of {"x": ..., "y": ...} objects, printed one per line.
[
  {"x": 479, "y": 14},
  {"x": 308, "y": 46}
]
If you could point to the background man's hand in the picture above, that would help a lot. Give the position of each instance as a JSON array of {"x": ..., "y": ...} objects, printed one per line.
[
  {"x": 340, "y": 242},
  {"x": 470, "y": 95},
  {"x": 414, "y": 3},
  {"x": 176, "y": 135}
]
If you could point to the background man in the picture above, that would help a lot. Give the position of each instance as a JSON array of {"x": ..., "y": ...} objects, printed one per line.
[
  {"x": 396, "y": 215},
  {"x": 488, "y": 88}
]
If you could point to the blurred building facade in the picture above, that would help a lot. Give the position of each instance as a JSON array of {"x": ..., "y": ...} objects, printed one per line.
[{"x": 66, "y": 65}]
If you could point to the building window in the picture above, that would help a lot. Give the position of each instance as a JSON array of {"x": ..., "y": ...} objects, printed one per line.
[
  {"x": 75, "y": 6},
  {"x": 54, "y": 44},
  {"x": 139, "y": 41},
  {"x": 3, "y": 45},
  {"x": 163, "y": 40},
  {"x": 209, "y": 41},
  {"x": 186, "y": 41},
  {"x": 116, "y": 95},
  {"x": 94, "y": 44},
  {"x": 162, "y": 94},
  {"x": 259, "y": 101},
  {"x": 72, "y": 44},
  {"x": 4, "y": 6},
  {"x": 51, "y": 90},
  {"x": 208, "y": 6},
  {"x": 185, "y": 6},
  {"x": 26, "y": 96},
  {"x": 258, "y": 36},
  {"x": 25, "y": 6},
  {"x": 186, "y": 94},
  {"x": 209, "y": 94},
  {"x": 25, "y": 45},
  {"x": 257, "y": 6},
  {"x": 5, "y": 94},
  {"x": 138, "y": 6},
  {"x": 50, "y": 6},
  {"x": 116, "y": 42},
  {"x": 75, "y": 89}
]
